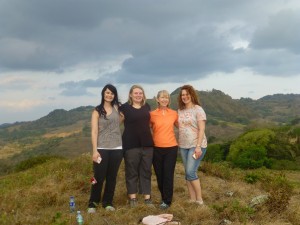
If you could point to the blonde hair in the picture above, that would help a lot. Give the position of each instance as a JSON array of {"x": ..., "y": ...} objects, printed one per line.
[
  {"x": 131, "y": 90},
  {"x": 163, "y": 93}
]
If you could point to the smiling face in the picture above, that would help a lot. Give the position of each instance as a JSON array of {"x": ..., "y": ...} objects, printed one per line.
[
  {"x": 108, "y": 95},
  {"x": 163, "y": 99},
  {"x": 186, "y": 97},
  {"x": 137, "y": 96}
]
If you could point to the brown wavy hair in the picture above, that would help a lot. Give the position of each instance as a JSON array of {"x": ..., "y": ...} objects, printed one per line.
[{"x": 191, "y": 91}]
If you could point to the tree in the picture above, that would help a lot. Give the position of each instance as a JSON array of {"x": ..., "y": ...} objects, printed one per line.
[
  {"x": 251, "y": 157},
  {"x": 251, "y": 140}
]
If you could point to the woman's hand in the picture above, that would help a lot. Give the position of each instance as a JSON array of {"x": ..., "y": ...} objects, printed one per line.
[
  {"x": 95, "y": 157},
  {"x": 198, "y": 152}
]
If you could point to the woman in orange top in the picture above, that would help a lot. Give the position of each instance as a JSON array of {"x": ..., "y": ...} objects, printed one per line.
[{"x": 162, "y": 122}]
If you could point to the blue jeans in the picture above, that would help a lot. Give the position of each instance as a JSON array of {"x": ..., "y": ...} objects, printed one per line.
[{"x": 190, "y": 164}]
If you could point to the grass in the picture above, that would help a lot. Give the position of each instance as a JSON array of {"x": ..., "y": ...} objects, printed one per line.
[
  {"x": 40, "y": 195},
  {"x": 65, "y": 130}
]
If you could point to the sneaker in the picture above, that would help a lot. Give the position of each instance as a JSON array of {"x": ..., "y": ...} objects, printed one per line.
[
  {"x": 148, "y": 202},
  {"x": 163, "y": 206},
  {"x": 199, "y": 202},
  {"x": 91, "y": 210},
  {"x": 110, "y": 208},
  {"x": 133, "y": 202}
]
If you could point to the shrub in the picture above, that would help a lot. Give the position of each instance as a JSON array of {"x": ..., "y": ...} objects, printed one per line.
[
  {"x": 214, "y": 153},
  {"x": 284, "y": 165},
  {"x": 221, "y": 170},
  {"x": 252, "y": 157},
  {"x": 211, "y": 139},
  {"x": 5, "y": 166},
  {"x": 251, "y": 178},
  {"x": 258, "y": 138},
  {"x": 234, "y": 210},
  {"x": 34, "y": 161},
  {"x": 280, "y": 192}
]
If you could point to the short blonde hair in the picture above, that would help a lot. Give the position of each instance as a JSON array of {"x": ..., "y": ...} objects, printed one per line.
[
  {"x": 163, "y": 93},
  {"x": 131, "y": 90}
]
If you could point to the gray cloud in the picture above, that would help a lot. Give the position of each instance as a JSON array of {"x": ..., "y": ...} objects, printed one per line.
[
  {"x": 281, "y": 32},
  {"x": 16, "y": 84},
  {"x": 72, "y": 88},
  {"x": 58, "y": 53},
  {"x": 168, "y": 41},
  {"x": 284, "y": 63}
]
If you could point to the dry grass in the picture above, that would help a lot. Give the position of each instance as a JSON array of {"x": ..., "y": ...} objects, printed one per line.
[
  {"x": 14, "y": 148},
  {"x": 40, "y": 196},
  {"x": 65, "y": 131},
  {"x": 9, "y": 150}
]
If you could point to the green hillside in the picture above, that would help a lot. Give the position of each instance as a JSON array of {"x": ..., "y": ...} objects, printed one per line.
[{"x": 67, "y": 133}]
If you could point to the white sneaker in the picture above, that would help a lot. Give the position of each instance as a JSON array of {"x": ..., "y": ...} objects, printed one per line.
[
  {"x": 109, "y": 208},
  {"x": 199, "y": 202},
  {"x": 91, "y": 210}
]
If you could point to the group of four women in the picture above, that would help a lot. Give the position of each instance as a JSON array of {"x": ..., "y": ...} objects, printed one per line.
[{"x": 148, "y": 138}]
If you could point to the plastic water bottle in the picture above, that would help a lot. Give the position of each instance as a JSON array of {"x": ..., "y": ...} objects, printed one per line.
[
  {"x": 72, "y": 204},
  {"x": 79, "y": 218}
]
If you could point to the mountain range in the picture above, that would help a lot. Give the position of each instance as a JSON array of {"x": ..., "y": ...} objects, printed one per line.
[
  {"x": 278, "y": 108},
  {"x": 67, "y": 133}
]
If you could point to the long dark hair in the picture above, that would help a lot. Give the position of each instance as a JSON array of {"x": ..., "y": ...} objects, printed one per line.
[{"x": 115, "y": 102}]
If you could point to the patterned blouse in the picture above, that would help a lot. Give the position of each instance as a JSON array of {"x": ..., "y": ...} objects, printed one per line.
[{"x": 188, "y": 127}]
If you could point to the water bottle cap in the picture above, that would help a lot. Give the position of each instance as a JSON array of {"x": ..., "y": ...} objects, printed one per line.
[{"x": 78, "y": 211}]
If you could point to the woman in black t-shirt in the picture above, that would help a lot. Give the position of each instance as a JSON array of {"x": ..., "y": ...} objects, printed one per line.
[{"x": 138, "y": 145}]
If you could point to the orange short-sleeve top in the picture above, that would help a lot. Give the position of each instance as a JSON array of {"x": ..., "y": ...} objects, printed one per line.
[{"x": 162, "y": 123}]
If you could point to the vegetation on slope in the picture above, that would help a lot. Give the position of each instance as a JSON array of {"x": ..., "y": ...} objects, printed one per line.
[
  {"x": 40, "y": 195},
  {"x": 40, "y": 166}
]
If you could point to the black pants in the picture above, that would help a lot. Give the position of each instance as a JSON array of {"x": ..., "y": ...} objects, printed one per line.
[
  {"x": 106, "y": 171},
  {"x": 164, "y": 161}
]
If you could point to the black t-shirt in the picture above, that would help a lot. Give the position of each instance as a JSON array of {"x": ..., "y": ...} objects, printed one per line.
[{"x": 136, "y": 126}]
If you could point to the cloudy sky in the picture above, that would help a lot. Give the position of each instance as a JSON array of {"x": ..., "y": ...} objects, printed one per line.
[{"x": 59, "y": 54}]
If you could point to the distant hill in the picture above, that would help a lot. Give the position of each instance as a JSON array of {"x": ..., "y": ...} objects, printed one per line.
[
  {"x": 4, "y": 125},
  {"x": 67, "y": 133},
  {"x": 281, "y": 108},
  {"x": 223, "y": 113},
  {"x": 60, "y": 117},
  {"x": 278, "y": 108},
  {"x": 218, "y": 106}
]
